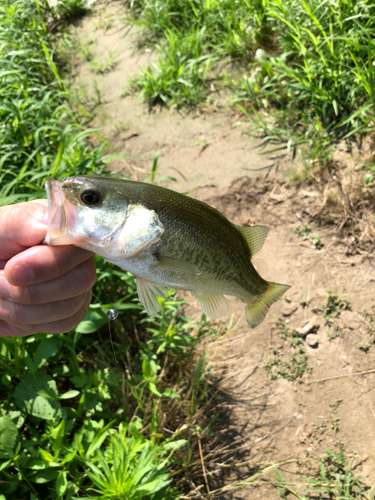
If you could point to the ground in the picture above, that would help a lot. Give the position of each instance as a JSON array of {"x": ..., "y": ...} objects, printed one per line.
[{"x": 268, "y": 416}]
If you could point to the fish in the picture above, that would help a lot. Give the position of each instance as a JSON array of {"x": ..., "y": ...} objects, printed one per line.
[{"x": 165, "y": 239}]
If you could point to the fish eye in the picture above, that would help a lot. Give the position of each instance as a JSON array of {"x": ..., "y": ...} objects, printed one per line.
[{"x": 90, "y": 197}]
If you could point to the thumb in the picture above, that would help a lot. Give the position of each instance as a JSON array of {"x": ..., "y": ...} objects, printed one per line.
[{"x": 22, "y": 226}]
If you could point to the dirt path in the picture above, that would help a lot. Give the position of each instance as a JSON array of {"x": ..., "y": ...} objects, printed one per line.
[
  {"x": 195, "y": 149},
  {"x": 272, "y": 419},
  {"x": 335, "y": 403}
]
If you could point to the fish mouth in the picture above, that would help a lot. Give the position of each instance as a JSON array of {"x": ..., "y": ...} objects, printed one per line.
[{"x": 56, "y": 212}]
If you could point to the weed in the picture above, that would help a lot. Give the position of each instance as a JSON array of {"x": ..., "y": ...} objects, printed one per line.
[
  {"x": 333, "y": 305},
  {"x": 303, "y": 72},
  {"x": 73, "y": 421},
  {"x": 367, "y": 344},
  {"x": 293, "y": 367},
  {"x": 334, "y": 479},
  {"x": 182, "y": 74},
  {"x": 68, "y": 10},
  {"x": 103, "y": 67},
  {"x": 336, "y": 404},
  {"x": 337, "y": 332},
  {"x": 305, "y": 231},
  {"x": 41, "y": 136},
  {"x": 335, "y": 425},
  {"x": 363, "y": 346},
  {"x": 104, "y": 23},
  {"x": 306, "y": 234},
  {"x": 85, "y": 49}
]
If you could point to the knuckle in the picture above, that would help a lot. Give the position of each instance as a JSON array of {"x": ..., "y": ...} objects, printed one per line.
[
  {"x": 84, "y": 277},
  {"x": 69, "y": 307},
  {"x": 68, "y": 324},
  {"x": 25, "y": 295},
  {"x": 14, "y": 313}
]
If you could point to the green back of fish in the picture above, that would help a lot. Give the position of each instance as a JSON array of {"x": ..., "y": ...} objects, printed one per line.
[{"x": 194, "y": 232}]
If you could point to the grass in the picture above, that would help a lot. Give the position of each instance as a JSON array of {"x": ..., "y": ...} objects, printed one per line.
[
  {"x": 306, "y": 233},
  {"x": 41, "y": 135},
  {"x": 335, "y": 479},
  {"x": 333, "y": 305},
  {"x": 329, "y": 477},
  {"x": 101, "y": 67},
  {"x": 293, "y": 366},
  {"x": 301, "y": 70},
  {"x": 80, "y": 416}
]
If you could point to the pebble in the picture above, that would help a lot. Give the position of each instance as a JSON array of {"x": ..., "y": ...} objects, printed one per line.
[
  {"x": 289, "y": 309},
  {"x": 312, "y": 340},
  {"x": 308, "y": 327}
]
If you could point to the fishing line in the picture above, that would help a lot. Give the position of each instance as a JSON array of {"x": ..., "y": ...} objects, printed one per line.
[{"x": 112, "y": 315}]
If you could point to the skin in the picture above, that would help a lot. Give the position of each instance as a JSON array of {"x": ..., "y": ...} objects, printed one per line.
[{"x": 43, "y": 289}]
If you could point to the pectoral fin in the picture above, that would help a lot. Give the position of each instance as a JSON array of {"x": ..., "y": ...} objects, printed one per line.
[
  {"x": 177, "y": 265},
  {"x": 147, "y": 292},
  {"x": 213, "y": 305},
  {"x": 254, "y": 236},
  {"x": 257, "y": 309}
]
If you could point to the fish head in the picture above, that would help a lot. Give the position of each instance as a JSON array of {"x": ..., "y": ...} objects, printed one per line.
[{"x": 92, "y": 213}]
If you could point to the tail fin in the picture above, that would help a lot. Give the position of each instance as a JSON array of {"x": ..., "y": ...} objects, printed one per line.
[{"x": 257, "y": 309}]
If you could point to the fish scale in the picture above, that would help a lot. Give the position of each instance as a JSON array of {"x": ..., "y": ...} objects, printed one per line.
[{"x": 165, "y": 239}]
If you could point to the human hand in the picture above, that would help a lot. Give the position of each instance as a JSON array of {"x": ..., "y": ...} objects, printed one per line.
[{"x": 43, "y": 289}]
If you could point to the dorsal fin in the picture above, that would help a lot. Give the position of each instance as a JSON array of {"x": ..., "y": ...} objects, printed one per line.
[{"x": 254, "y": 236}]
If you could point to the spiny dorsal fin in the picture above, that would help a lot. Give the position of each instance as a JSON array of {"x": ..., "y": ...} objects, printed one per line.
[
  {"x": 213, "y": 305},
  {"x": 177, "y": 265},
  {"x": 147, "y": 292},
  {"x": 254, "y": 236}
]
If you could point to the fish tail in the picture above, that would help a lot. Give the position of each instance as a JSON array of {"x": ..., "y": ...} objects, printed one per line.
[{"x": 257, "y": 308}]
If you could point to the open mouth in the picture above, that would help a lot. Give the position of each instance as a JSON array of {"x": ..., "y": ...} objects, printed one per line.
[{"x": 56, "y": 211}]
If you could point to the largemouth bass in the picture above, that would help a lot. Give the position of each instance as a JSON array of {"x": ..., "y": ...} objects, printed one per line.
[{"x": 165, "y": 239}]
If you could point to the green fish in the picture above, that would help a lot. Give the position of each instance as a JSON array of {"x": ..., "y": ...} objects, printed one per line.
[{"x": 165, "y": 239}]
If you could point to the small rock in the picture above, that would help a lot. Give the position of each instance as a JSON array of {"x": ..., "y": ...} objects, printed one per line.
[
  {"x": 289, "y": 309},
  {"x": 308, "y": 327},
  {"x": 312, "y": 340}
]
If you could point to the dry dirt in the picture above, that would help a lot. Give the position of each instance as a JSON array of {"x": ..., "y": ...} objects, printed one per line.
[
  {"x": 268, "y": 419},
  {"x": 200, "y": 148}
]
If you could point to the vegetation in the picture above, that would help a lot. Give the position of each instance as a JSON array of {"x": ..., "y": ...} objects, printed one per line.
[
  {"x": 76, "y": 419},
  {"x": 306, "y": 233},
  {"x": 335, "y": 479},
  {"x": 332, "y": 306},
  {"x": 85, "y": 417},
  {"x": 305, "y": 68},
  {"x": 295, "y": 365}
]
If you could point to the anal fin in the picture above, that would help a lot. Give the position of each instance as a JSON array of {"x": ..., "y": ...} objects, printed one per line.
[
  {"x": 213, "y": 305},
  {"x": 147, "y": 292}
]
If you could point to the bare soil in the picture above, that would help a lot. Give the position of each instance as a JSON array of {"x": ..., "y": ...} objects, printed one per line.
[{"x": 260, "y": 419}]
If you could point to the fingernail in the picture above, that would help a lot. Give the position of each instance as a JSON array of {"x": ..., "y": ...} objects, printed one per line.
[
  {"x": 4, "y": 288},
  {"x": 23, "y": 275}
]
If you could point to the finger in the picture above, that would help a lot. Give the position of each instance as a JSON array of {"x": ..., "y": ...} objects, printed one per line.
[
  {"x": 22, "y": 226},
  {"x": 62, "y": 326},
  {"x": 19, "y": 314},
  {"x": 73, "y": 283},
  {"x": 43, "y": 263}
]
